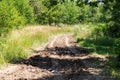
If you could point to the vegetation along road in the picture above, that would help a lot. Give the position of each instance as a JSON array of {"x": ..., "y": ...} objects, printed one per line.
[
  {"x": 87, "y": 45},
  {"x": 61, "y": 59}
]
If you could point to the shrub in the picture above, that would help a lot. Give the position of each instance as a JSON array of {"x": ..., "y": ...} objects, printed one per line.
[
  {"x": 9, "y": 17},
  {"x": 25, "y": 10},
  {"x": 40, "y": 11},
  {"x": 67, "y": 12}
]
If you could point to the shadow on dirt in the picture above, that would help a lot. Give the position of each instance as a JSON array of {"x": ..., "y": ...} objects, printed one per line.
[
  {"x": 45, "y": 61},
  {"x": 71, "y": 69},
  {"x": 80, "y": 75}
]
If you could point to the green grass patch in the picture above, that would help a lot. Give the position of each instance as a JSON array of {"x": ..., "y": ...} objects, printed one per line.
[
  {"x": 16, "y": 45},
  {"x": 101, "y": 45},
  {"x": 95, "y": 41}
]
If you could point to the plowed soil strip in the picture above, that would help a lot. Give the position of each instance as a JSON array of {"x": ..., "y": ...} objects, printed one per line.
[
  {"x": 55, "y": 64},
  {"x": 73, "y": 50}
]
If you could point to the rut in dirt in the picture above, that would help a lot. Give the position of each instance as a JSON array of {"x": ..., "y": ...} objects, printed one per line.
[{"x": 60, "y": 59}]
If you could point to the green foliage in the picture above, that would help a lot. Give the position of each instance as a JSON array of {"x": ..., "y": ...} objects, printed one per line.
[
  {"x": 15, "y": 13},
  {"x": 25, "y": 10},
  {"x": 9, "y": 17},
  {"x": 50, "y": 11},
  {"x": 72, "y": 12},
  {"x": 86, "y": 15},
  {"x": 95, "y": 40},
  {"x": 64, "y": 13},
  {"x": 114, "y": 67},
  {"x": 101, "y": 45},
  {"x": 40, "y": 11},
  {"x": 113, "y": 27},
  {"x": 57, "y": 11},
  {"x": 50, "y": 3}
]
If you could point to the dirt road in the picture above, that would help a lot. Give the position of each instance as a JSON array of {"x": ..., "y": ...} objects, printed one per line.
[{"x": 60, "y": 59}]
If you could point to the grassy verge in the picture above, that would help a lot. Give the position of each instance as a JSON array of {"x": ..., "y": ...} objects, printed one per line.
[
  {"x": 16, "y": 44},
  {"x": 93, "y": 39}
]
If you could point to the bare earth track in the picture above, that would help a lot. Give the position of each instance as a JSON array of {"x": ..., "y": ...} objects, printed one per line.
[{"x": 60, "y": 59}]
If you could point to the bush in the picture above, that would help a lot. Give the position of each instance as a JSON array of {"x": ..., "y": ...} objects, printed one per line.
[
  {"x": 113, "y": 27},
  {"x": 40, "y": 11},
  {"x": 9, "y": 17},
  {"x": 86, "y": 15},
  {"x": 25, "y": 10},
  {"x": 99, "y": 30},
  {"x": 67, "y": 12}
]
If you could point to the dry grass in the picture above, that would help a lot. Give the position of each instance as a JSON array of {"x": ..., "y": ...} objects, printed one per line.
[{"x": 18, "y": 42}]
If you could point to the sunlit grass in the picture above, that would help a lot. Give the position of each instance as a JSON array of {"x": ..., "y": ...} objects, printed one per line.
[{"x": 17, "y": 44}]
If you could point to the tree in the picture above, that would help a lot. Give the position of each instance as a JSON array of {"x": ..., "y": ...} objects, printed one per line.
[
  {"x": 9, "y": 17},
  {"x": 40, "y": 10},
  {"x": 25, "y": 10},
  {"x": 115, "y": 20},
  {"x": 67, "y": 12},
  {"x": 113, "y": 28}
]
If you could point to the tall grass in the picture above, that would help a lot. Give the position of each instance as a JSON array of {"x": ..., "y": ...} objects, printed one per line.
[{"x": 17, "y": 44}]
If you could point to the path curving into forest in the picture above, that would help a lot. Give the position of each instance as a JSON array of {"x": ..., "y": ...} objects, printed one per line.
[{"x": 60, "y": 59}]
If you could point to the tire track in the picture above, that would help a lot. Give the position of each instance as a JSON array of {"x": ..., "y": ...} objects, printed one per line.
[
  {"x": 55, "y": 63},
  {"x": 74, "y": 51}
]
